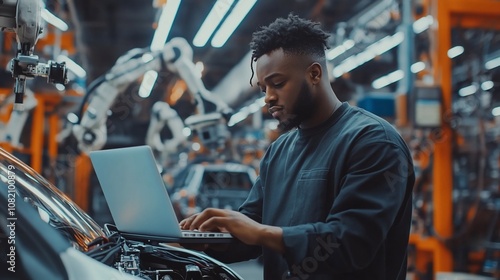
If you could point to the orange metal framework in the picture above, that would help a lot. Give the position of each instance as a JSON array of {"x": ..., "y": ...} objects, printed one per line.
[
  {"x": 448, "y": 14},
  {"x": 43, "y": 114}
]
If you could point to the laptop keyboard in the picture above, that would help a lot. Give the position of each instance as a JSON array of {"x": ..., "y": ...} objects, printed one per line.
[{"x": 194, "y": 233}]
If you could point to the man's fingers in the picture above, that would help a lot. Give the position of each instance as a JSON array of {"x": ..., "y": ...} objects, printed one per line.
[
  {"x": 213, "y": 224},
  {"x": 186, "y": 223},
  {"x": 205, "y": 215},
  {"x": 182, "y": 224}
]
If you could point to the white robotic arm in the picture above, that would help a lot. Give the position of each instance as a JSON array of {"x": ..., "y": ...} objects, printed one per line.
[
  {"x": 176, "y": 56},
  {"x": 162, "y": 115},
  {"x": 17, "y": 120},
  {"x": 182, "y": 64},
  {"x": 91, "y": 130},
  {"x": 24, "y": 18}
]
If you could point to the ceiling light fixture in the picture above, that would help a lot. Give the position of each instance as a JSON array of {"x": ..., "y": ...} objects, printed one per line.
[
  {"x": 165, "y": 24},
  {"x": 388, "y": 79},
  {"x": 378, "y": 48},
  {"x": 422, "y": 24},
  {"x": 455, "y": 51},
  {"x": 383, "y": 45},
  {"x": 396, "y": 76},
  {"x": 346, "y": 45},
  {"x": 214, "y": 18},
  {"x": 417, "y": 67},
  {"x": 487, "y": 85},
  {"x": 468, "y": 90},
  {"x": 54, "y": 20},
  {"x": 239, "y": 12},
  {"x": 492, "y": 63},
  {"x": 148, "y": 81},
  {"x": 159, "y": 38},
  {"x": 244, "y": 112},
  {"x": 496, "y": 111}
]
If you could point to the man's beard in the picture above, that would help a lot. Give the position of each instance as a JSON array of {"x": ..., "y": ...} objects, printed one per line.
[{"x": 301, "y": 110}]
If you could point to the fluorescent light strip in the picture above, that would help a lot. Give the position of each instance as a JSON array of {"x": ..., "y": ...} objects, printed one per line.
[
  {"x": 72, "y": 66},
  {"x": 388, "y": 79},
  {"x": 492, "y": 63},
  {"x": 244, "y": 112},
  {"x": 346, "y": 45},
  {"x": 496, "y": 111},
  {"x": 383, "y": 45},
  {"x": 379, "y": 48},
  {"x": 455, "y": 51},
  {"x": 469, "y": 90},
  {"x": 147, "y": 84},
  {"x": 387, "y": 43},
  {"x": 234, "y": 19},
  {"x": 236, "y": 118},
  {"x": 214, "y": 18},
  {"x": 54, "y": 20},
  {"x": 423, "y": 24},
  {"x": 487, "y": 85},
  {"x": 159, "y": 38},
  {"x": 417, "y": 67},
  {"x": 165, "y": 24}
]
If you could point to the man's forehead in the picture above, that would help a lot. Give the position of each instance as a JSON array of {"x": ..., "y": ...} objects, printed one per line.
[{"x": 279, "y": 59}]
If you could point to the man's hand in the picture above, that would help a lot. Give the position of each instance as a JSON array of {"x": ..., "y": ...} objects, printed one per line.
[{"x": 240, "y": 226}]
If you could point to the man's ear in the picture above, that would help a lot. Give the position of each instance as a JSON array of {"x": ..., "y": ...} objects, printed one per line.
[{"x": 315, "y": 71}]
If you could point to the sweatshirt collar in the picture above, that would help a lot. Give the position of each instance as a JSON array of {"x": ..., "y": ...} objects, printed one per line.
[{"x": 304, "y": 132}]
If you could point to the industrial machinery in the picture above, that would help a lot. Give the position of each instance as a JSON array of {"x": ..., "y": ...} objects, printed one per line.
[
  {"x": 456, "y": 194},
  {"x": 176, "y": 57},
  {"x": 23, "y": 17},
  {"x": 49, "y": 237},
  {"x": 57, "y": 226}
]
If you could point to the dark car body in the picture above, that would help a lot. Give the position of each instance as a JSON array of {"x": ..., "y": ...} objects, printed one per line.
[{"x": 47, "y": 236}]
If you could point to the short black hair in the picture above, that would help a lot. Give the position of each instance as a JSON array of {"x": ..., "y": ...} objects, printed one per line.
[{"x": 294, "y": 35}]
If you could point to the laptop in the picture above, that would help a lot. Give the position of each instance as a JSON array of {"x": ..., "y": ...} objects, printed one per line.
[{"x": 138, "y": 200}]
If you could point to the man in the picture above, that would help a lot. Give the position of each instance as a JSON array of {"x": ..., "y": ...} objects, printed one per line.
[{"x": 333, "y": 198}]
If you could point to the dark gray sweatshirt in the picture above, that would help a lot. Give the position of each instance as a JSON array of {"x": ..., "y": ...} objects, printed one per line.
[{"x": 341, "y": 192}]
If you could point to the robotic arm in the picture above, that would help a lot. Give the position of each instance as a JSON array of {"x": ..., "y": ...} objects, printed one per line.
[
  {"x": 163, "y": 115},
  {"x": 177, "y": 57},
  {"x": 17, "y": 120},
  {"x": 24, "y": 18}
]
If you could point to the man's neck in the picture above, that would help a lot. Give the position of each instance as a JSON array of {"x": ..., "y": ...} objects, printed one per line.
[{"x": 325, "y": 109}]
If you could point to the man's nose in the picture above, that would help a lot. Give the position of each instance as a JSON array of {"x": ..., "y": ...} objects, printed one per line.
[{"x": 270, "y": 97}]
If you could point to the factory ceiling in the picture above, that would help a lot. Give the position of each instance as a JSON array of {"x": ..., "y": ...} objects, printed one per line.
[{"x": 106, "y": 29}]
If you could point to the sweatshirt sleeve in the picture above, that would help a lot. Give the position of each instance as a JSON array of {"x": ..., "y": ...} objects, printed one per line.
[{"x": 374, "y": 187}]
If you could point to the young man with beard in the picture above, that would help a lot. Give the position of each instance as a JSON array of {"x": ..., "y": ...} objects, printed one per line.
[{"x": 333, "y": 198}]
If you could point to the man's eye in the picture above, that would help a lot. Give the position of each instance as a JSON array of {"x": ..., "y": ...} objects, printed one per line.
[{"x": 278, "y": 85}]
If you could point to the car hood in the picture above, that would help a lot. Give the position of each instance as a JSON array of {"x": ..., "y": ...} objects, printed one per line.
[{"x": 53, "y": 206}]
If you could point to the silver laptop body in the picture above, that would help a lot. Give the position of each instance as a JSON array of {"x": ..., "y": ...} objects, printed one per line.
[{"x": 137, "y": 197}]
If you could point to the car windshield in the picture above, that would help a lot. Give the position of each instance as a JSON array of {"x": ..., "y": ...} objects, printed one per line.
[{"x": 53, "y": 205}]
